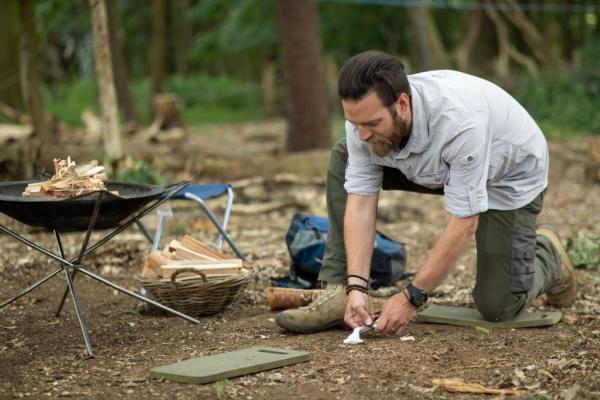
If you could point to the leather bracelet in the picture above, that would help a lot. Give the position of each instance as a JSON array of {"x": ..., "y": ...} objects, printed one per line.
[
  {"x": 360, "y": 288},
  {"x": 362, "y": 278}
]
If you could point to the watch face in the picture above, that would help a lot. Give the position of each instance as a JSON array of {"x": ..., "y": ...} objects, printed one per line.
[{"x": 420, "y": 299}]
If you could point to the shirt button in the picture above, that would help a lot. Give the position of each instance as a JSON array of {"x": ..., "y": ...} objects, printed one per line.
[{"x": 471, "y": 188}]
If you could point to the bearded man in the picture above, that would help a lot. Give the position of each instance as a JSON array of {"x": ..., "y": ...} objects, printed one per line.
[{"x": 438, "y": 132}]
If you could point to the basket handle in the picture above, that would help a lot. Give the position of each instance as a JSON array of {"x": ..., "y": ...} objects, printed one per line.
[{"x": 180, "y": 270}]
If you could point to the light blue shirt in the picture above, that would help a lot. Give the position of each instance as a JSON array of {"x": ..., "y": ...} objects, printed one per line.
[{"x": 468, "y": 136}]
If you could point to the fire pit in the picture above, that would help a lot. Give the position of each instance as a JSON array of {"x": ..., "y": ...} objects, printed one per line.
[{"x": 73, "y": 214}]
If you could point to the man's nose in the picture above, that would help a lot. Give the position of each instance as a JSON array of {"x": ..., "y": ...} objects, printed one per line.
[{"x": 364, "y": 133}]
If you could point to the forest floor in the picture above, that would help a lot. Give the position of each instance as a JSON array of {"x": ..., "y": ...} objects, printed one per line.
[{"x": 43, "y": 356}]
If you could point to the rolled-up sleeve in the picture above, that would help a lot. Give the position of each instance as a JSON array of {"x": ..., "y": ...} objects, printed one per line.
[
  {"x": 467, "y": 154},
  {"x": 362, "y": 175}
]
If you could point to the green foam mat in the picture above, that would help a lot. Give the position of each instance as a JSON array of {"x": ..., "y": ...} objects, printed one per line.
[
  {"x": 464, "y": 316},
  {"x": 228, "y": 365}
]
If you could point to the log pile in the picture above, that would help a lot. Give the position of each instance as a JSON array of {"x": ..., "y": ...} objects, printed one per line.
[
  {"x": 192, "y": 256},
  {"x": 69, "y": 180}
]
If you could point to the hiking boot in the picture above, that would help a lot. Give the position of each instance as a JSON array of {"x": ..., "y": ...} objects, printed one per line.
[
  {"x": 563, "y": 291},
  {"x": 325, "y": 312}
]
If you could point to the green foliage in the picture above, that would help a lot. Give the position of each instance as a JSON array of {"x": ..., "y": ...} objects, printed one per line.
[
  {"x": 564, "y": 103},
  {"x": 139, "y": 172},
  {"x": 206, "y": 99},
  {"x": 220, "y": 387},
  {"x": 69, "y": 101},
  {"x": 584, "y": 251}
]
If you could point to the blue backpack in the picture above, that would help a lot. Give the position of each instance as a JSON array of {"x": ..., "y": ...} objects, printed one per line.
[{"x": 306, "y": 239}]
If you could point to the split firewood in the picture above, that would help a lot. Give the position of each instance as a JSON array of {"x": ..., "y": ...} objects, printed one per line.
[
  {"x": 70, "y": 180},
  {"x": 186, "y": 253},
  {"x": 279, "y": 298},
  {"x": 189, "y": 256},
  {"x": 200, "y": 247}
]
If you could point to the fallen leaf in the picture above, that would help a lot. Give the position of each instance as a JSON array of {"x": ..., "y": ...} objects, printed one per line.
[
  {"x": 569, "y": 319},
  {"x": 460, "y": 386}
]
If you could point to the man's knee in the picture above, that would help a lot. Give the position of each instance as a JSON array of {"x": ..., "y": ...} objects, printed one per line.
[{"x": 499, "y": 308}]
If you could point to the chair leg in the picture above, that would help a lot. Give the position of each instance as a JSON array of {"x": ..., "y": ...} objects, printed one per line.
[
  {"x": 226, "y": 216},
  {"x": 159, "y": 231},
  {"x": 217, "y": 225}
]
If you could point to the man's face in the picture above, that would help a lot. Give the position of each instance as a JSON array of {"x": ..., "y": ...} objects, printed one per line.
[{"x": 383, "y": 128}]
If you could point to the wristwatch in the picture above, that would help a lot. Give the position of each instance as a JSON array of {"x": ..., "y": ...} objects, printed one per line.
[{"x": 417, "y": 297}]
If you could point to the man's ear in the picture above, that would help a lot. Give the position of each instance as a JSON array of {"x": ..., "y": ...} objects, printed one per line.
[{"x": 403, "y": 103}]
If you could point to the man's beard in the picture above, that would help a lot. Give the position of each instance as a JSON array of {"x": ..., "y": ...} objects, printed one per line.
[{"x": 383, "y": 145}]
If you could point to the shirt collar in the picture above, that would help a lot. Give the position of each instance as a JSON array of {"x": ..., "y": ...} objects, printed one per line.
[{"x": 419, "y": 137}]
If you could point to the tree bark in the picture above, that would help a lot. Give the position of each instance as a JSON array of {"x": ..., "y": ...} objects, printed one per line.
[
  {"x": 120, "y": 72},
  {"x": 532, "y": 36},
  {"x": 464, "y": 50},
  {"x": 106, "y": 83},
  {"x": 158, "y": 45},
  {"x": 30, "y": 75},
  {"x": 268, "y": 85},
  {"x": 506, "y": 50},
  {"x": 183, "y": 32},
  {"x": 300, "y": 40},
  {"x": 10, "y": 91},
  {"x": 431, "y": 51}
]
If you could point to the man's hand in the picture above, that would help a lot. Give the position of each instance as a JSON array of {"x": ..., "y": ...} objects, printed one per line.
[
  {"x": 395, "y": 315},
  {"x": 357, "y": 310}
]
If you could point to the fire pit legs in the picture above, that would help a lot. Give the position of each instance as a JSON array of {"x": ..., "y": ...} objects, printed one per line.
[
  {"x": 70, "y": 267},
  {"x": 30, "y": 288},
  {"x": 83, "y": 247}
]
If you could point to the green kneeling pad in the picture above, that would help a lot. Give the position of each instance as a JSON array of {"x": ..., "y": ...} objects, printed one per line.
[
  {"x": 228, "y": 365},
  {"x": 464, "y": 316}
]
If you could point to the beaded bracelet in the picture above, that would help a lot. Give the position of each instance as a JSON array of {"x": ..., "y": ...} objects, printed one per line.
[
  {"x": 360, "y": 288},
  {"x": 359, "y": 277}
]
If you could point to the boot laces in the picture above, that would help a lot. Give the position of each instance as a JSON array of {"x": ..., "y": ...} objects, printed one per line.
[{"x": 330, "y": 292}]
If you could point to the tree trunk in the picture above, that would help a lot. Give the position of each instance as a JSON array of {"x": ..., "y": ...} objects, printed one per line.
[
  {"x": 332, "y": 72},
  {"x": 183, "y": 32},
  {"x": 120, "y": 72},
  {"x": 158, "y": 45},
  {"x": 464, "y": 50},
  {"x": 300, "y": 40},
  {"x": 10, "y": 91},
  {"x": 268, "y": 84},
  {"x": 431, "y": 52},
  {"x": 30, "y": 75},
  {"x": 535, "y": 40},
  {"x": 105, "y": 79}
]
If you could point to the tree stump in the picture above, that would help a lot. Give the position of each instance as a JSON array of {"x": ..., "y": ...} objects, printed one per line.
[{"x": 167, "y": 110}]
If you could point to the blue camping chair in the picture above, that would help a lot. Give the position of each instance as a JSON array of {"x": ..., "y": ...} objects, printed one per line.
[{"x": 199, "y": 193}]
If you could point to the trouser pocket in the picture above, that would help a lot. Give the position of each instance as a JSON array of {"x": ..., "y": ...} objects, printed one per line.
[{"x": 522, "y": 260}]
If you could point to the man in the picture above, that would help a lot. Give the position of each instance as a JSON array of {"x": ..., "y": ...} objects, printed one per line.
[{"x": 448, "y": 133}]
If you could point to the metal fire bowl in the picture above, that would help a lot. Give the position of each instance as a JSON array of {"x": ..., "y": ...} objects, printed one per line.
[{"x": 75, "y": 213}]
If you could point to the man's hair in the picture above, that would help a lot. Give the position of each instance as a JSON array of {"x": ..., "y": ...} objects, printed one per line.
[{"x": 373, "y": 70}]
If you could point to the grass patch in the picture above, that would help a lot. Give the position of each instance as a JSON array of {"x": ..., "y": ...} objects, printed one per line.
[
  {"x": 584, "y": 251},
  {"x": 206, "y": 99}
]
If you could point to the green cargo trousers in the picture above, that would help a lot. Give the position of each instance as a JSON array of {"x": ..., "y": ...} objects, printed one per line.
[{"x": 514, "y": 265}]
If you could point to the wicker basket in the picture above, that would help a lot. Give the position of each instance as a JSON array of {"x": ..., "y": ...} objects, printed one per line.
[{"x": 198, "y": 296}]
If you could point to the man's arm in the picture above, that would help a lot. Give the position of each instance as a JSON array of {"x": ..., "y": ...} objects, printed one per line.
[
  {"x": 359, "y": 235},
  {"x": 397, "y": 311}
]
